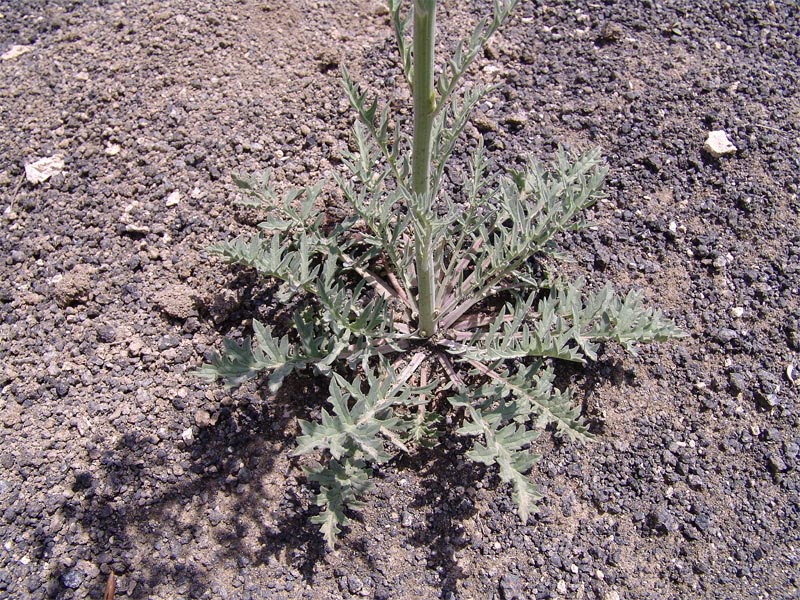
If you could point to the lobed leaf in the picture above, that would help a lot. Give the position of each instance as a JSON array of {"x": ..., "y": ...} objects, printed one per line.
[
  {"x": 341, "y": 484},
  {"x": 359, "y": 418},
  {"x": 238, "y": 363},
  {"x": 507, "y": 447}
]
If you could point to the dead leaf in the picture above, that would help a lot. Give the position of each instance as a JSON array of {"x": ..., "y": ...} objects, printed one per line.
[
  {"x": 108, "y": 593},
  {"x": 44, "y": 168}
]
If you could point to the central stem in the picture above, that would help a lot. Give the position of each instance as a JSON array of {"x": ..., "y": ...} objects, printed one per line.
[{"x": 424, "y": 104}]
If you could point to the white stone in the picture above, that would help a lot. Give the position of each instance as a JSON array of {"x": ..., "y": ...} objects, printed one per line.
[
  {"x": 15, "y": 51},
  {"x": 174, "y": 198},
  {"x": 43, "y": 169},
  {"x": 137, "y": 229},
  {"x": 717, "y": 144}
]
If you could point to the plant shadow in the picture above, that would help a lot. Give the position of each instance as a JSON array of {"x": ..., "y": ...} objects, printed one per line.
[
  {"x": 143, "y": 498},
  {"x": 445, "y": 497},
  {"x": 241, "y": 480}
]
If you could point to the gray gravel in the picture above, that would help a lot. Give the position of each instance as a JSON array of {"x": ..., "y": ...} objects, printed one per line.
[{"x": 115, "y": 458}]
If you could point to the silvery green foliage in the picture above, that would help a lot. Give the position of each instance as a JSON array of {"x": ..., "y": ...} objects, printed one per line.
[{"x": 502, "y": 318}]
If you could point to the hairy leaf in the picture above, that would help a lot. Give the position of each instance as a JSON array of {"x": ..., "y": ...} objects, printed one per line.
[
  {"x": 341, "y": 484},
  {"x": 237, "y": 362},
  {"x": 355, "y": 426},
  {"x": 507, "y": 447}
]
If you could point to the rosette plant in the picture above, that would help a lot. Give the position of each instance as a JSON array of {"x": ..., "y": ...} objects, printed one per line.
[{"x": 428, "y": 298}]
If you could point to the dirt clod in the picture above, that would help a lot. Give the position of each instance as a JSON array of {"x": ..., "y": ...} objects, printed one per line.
[
  {"x": 75, "y": 286},
  {"x": 177, "y": 301}
]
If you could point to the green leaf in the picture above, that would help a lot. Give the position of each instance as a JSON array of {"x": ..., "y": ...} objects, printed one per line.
[
  {"x": 400, "y": 24},
  {"x": 536, "y": 398},
  {"x": 467, "y": 50},
  {"x": 548, "y": 336},
  {"x": 341, "y": 483},
  {"x": 350, "y": 310},
  {"x": 448, "y": 126},
  {"x": 275, "y": 257},
  {"x": 627, "y": 322},
  {"x": 238, "y": 363},
  {"x": 604, "y": 316},
  {"x": 257, "y": 190},
  {"x": 507, "y": 447},
  {"x": 378, "y": 126},
  {"x": 422, "y": 428},
  {"x": 355, "y": 425},
  {"x": 234, "y": 365}
]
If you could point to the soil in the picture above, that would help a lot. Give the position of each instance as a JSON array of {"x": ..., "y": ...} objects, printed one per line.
[{"x": 115, "y": 458}]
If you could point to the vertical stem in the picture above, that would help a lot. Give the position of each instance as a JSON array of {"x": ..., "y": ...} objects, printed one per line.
[{"x": 424, "y": 102}]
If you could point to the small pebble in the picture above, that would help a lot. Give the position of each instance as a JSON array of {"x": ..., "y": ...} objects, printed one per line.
[
  {"x": 137, "y": 229},
  {"x": 717, "y": 144},
  {"x": 174, "y": 198},
  {"x": 203, "y": 418},
  {"x": 725, "y": 335},
  {"x": 776, "y": 463},
  {"x": 72, "y": 579},
  {"x": 106, "y": 334},
  {"x": 511, "y": 587},
  {"x": 354, "y": 584},
  {"x": 662, "y": 521},
  {"x": 168, "y": 341}
]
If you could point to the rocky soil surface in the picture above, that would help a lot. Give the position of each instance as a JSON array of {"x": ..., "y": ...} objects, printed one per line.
[{"x": 115, "y": 458}]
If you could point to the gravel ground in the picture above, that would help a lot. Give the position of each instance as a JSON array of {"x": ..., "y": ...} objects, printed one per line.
[{"x": 115, "y": 459}]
